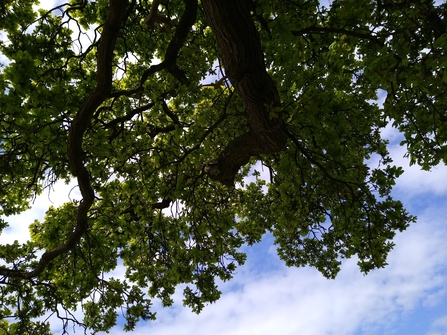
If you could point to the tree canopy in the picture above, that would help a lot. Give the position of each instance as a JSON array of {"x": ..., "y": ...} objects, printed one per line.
[{"x": 160, "y": 110}]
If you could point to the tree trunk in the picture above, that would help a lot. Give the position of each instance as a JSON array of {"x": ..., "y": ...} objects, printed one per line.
[{"x": 243, "y": 59}]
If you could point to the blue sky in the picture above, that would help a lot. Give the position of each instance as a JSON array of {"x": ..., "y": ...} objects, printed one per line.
[{"x": 407, "y": 297}]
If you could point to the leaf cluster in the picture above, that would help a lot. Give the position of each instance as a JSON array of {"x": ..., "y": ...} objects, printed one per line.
[{"x": 139, "y": 118}]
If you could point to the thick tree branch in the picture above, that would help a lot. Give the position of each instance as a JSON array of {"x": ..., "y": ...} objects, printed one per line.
[
  {"x": 111, "y": 28},
  {"x": 116, "y": 16},
  {"x": 169, "y": 63},
  {"x": 243, "y": 58}
]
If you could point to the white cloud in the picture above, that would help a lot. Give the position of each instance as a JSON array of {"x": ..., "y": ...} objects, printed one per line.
[
  {"x": 391, "y": 134},
  {"x": 441, "y": 322},
  {"x": 416, "y": 181},
  {"x": 435, "y": 298},
  {"x": 439, "y": 326}
]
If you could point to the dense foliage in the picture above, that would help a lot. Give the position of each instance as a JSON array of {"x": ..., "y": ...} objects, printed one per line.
[{"x": 161, "y": 117}]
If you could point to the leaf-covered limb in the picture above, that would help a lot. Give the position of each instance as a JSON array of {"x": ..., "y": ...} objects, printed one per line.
[
  {"x": 169, "y": 63},
  {"x": 77, "y": 129}
]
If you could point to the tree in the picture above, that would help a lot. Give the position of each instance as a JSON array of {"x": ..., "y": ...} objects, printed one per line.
[{"x": 160, "y": 110}]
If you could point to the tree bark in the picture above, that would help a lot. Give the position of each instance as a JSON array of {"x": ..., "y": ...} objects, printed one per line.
[{"x": 243, "y": 59}]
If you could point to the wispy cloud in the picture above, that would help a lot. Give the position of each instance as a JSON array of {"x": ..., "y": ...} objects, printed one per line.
[{"x": 439, "y": 326}]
